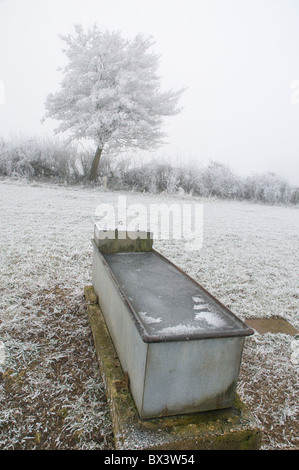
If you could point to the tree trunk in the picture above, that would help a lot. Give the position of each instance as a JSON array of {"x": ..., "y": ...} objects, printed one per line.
[{"x": 95, "y": 165}]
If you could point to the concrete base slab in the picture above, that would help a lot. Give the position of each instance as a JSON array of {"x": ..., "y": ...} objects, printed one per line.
[
  {"x": 272, "y": 325},
  {"x": 230, "y": 429}
]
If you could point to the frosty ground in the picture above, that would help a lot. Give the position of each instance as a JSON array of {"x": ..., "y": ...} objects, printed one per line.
[{"x": 51, "y": 392}]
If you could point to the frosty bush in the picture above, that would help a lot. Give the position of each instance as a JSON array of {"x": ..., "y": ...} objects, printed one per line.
[
  {"x": 14, "y": 160},
  {"x": 42, "y": 157},
  {"x": 46, "y": 158},
  {"x": 218, "y": 180},
  {"x": 153, "y": 177},
  {"x": 215, "y": 180},
  {"x": 269, "y": 188}
]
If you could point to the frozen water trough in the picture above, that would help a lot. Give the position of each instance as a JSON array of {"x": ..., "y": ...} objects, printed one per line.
[{"x": 180, "y": 347}]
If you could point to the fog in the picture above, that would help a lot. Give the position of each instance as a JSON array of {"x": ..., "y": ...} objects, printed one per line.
[{"x": 238, "y": 59}]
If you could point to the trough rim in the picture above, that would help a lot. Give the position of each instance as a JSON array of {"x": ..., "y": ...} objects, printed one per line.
[{"x": 244, "y": 329}]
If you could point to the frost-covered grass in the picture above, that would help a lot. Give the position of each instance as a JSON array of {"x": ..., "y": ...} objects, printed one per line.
[{"x": 51, "y": 393}]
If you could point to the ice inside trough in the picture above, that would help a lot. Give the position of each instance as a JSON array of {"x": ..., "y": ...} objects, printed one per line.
[{"x": 170, "y": 305}]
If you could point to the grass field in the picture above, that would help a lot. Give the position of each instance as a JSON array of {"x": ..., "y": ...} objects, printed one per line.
[{"x": 51, "y": 393}]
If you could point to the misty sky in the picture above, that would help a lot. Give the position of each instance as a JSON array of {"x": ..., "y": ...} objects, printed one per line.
[{"x": 237, "y": 58}]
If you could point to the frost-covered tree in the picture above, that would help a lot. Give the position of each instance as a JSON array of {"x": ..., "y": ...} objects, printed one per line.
[{"x": 111, "y": 93}]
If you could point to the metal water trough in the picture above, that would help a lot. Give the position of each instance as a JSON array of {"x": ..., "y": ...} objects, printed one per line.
[{"x": 180, "y": 347}]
